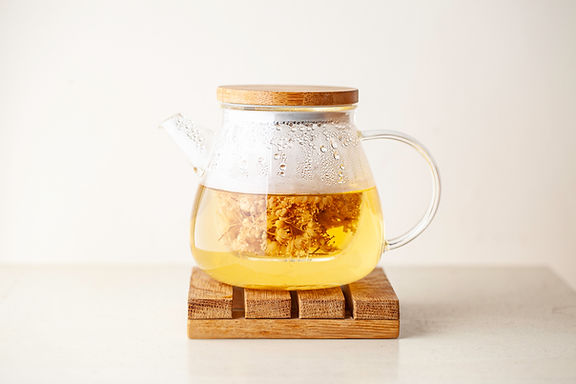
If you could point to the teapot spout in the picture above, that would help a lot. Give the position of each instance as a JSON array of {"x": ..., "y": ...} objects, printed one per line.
[{"x": 192, "y": 139}]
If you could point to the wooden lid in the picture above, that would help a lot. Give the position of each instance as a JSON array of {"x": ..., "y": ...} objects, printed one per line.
[{"x": 291, "y": 95}]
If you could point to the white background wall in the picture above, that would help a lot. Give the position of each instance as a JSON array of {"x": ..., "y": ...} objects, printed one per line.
[{"x": 488, "y": 86}]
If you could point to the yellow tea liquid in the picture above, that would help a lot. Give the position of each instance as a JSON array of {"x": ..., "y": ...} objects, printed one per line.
[{"x": 287, "y": 241}]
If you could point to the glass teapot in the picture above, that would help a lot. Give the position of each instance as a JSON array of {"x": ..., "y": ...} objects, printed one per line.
[{"x": 286, "y": 198}]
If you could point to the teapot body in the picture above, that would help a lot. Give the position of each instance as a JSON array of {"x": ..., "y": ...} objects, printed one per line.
[
  {"x": 286, "y": 197},
  {"x": 287, "y": 200}
]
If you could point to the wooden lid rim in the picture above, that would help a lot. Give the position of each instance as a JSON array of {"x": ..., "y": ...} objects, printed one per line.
[{"x": 287, "y": 95}]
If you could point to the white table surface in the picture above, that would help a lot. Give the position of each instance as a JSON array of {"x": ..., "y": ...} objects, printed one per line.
[{"x": 127, "y": 324}]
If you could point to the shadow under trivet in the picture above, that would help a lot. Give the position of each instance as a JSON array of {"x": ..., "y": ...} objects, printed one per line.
[{"x": 365, "y": 309}]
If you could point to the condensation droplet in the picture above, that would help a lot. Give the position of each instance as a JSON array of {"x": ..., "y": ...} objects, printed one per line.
[
  {"x": 334, "y": 144},
  {"x": 336, "y": 155},
  {"x": 282, "y": 173},
  {"x": 282, "y": 166},
  {"x": 323, "y": 148},
  {"x": 276, "y": 156},
  {"x": 341, "y": 166}
]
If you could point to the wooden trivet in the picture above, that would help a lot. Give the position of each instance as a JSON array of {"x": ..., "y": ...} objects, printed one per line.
[{"x": 366, "y": 309}]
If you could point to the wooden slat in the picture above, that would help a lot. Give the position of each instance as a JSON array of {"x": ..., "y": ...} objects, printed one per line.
[
  {"x": 321, "y": 304},
  {"x": 242, "y": 328},
  {"x": 373, "y": 298},
  {"x": 265, "y": 304},
  {"x": 208, "y": 298}
]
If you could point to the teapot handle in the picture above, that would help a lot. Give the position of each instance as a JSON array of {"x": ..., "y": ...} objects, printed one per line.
[{"x": 398, "y": 241}]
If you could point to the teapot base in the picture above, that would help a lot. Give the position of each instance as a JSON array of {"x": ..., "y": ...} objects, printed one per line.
[{"x": 298, "y": 279}]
